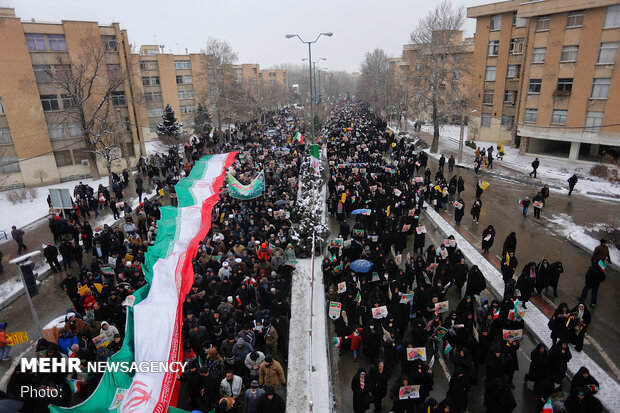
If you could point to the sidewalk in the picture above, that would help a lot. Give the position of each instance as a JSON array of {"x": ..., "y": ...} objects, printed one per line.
[
  {"x": 535, "y": 318},
  {"x": 516, "y": 167}
]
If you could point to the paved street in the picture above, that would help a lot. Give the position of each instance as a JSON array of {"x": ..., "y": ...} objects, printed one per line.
[{"x": 537, "y": 239}]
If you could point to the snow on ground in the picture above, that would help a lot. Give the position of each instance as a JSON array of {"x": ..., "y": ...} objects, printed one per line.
[
  {"x": 578, "y": 235},
  {"x": 156, "y": 146},
  {"x": 24, "y": 213},
  {"x": 535, "y": 320},
  {"x": 553, "y": 171}
]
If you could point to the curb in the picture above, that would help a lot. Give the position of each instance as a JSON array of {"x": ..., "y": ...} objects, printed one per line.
[
  {"x": 587, "y": 250},
  {"x": 535, "y": 319}
]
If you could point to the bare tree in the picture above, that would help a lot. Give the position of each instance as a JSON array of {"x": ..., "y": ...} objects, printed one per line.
[
  {"x": 439, "y": 69},
  {"x": 90, "y": 90},
  {"x": 374, "y": 79},
  {"x": 222, "y": 86}
]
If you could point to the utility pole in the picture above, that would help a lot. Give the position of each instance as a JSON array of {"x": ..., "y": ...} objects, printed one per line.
[{"x": 125, "y": 145}]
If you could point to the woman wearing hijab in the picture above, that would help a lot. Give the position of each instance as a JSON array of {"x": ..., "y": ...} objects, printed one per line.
[
  {"x": 579, "y": 321},
  {"x": 510, "y": 244},
  {"x": 459, "y": 212},
  {"x": 475, "y": 282},
  {"x": 378, "y": 381},
  {"x": 475, "y": 210},
  {"x": 559, "y": 323},
  {"x": 361, "y": 391},
  {"x": 488, "y": 236},
  {"x": 539, "y": 363},
  {"x": 555, "y": 270},
  {"x": 543, "y": 271}
]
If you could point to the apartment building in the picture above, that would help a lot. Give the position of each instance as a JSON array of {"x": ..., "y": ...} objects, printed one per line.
[
  {"x": 38, "y": 142},
  {"x": 182, "y": 81},
  {"x": 544, "y": 71}
]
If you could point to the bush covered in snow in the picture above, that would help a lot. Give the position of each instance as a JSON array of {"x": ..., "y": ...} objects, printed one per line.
[
  {"x": 17, "y": 196},
  {"x": 307, "y": 213}
]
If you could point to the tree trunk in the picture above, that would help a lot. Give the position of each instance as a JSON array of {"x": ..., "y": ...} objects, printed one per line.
[
  {"x": 435, "y": 144},
  {"x": 94, "y": 169}
]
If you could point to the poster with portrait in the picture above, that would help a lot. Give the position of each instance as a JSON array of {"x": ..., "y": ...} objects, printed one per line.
[
  {"x": 409, "y": 392},
  {"x": 334, "y": 309},
  {"x": 379, "y": 312},
  {"x": 442, "y": 307},
  {"x": 512, "y": 334},
  {"x": 416, "y": 353}
]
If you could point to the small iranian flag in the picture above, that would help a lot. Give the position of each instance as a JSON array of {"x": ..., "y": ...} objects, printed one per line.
[
  {"x": 315, "y": 163},
  {"x": 447, "y": 349},
  {"x": 548, "y": 407},
  {"x": 321, "y": 139},
  {"x": 601, "y": 265},
  {"x": 299, "y": 137},
  {"x": 337, "y": 341},
  {"x": 75, "y": 385},
  {"x": 358, "y": 298},
  {"x": 334, "y": 259}
]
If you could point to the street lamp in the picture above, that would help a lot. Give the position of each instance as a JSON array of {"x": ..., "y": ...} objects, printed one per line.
[
  {"x": 290, "y": 36},
  {"x": 316, "y": 88}
]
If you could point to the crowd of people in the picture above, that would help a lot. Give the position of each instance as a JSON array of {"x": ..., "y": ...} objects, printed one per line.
[
  {"x": 396, "y": 313},
  {"x": 235, "y": 328}
]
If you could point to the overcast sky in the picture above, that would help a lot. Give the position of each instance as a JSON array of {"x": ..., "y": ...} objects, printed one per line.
[{"x": 254, "y": 28}]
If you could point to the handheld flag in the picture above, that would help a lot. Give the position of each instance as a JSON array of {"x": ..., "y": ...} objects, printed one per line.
[
  {"x": 601, "y": 265},
  {"x": 315, "y": 163},
  {"x": 299, "y": 137},
  {"x": 358, "y": 298},
  {"x": 447, "y": 349}
]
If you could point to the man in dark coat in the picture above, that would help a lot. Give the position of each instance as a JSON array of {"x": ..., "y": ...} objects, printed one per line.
[
  {"x": 572, "y": 181},
  {"x": 594, "y": 277},
  {"x": 535, "y": 165},
  {"x": 50, "y": 252},
  {"x": 18, "y": 236}
]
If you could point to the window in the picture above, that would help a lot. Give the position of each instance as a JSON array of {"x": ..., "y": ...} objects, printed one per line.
[
  {"x": 607, "y": 53},
  {"x": 510, "y": 96},
  {"x": 37, "y": 41},
  {"x": 493, "y": 47},
  {"x": 530, "y": 115},
  {"x": 575, "y": 19},
  {"x": 518, "y": 21},
  {"x": 534, "y": 86},
  {"x": 487, "y": 98},
  {"x": 539, "y": 54},
  {"x": 43, "y": 73},
  {"x": 9, "y": 164},
  {"x": 187, "y": 109},
  {"x": 559, "y": 116},
  {"x": 543, "y": 23},
  {"x": 612, "y": 18},
  {"x": 150, "y": 80},
  {"x": 114, "y": 72},
  {"x": 118, "y": 99},
  {"x": 187, "y": 79},
  {"x": 67, "y": 102},
  {"x": 155, "y": 112},
  {"x": 50, "y": 102},
  {"x": 186, "y": 94},
  {"x": 513, "y": 71},
  {"x": 57, "y": 131},
  {"x": 600, "y": 88},
  {"x": 79, "y": 154},
  {"x": 569, "y": 54},
  {"x": 57, "y": 42},
  {"x": 594, "y": 120},
  {"x": 507, "y": 121},
  {"x": 75, "y": 130},
  {"x": 485, "y": 119},
  {"x": 63, "y": 158},
  {"x": 238, "y": 71},
  {"x": 109, "y": 43},
  {"x": 565, "y": 86},
  {"x": 1, "y": 107},
  {"x": 152, "y": 96},
  {"x": 516, "y": 46},
  {"x": 126, "y": 124},
  {"x": 5, "y": 136},
  {"x": 63, "y": 72},
  {"x": 489, "y": 75},
  {"x": 496, "y": 22},
  {"x": 182, "y": 64},
  {"x": 148, "y": 65}
]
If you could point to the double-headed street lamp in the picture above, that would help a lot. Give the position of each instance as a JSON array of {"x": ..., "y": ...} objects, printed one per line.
[{"x": 289, "y": 36}]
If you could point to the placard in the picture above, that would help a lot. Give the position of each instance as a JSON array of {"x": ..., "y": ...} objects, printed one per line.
[
  {"x": 512, "y": 334},
  {"x": 488, "y": 237},
  {"x": 451, "y": 243},
  {"x": 398, "y": 259},
  {"x": 397, "y": 192},
  {"x": 406, "y": 227},
  {"x": 334, "y": 309},
  {"x": 484, "y": 185},
  {"x": 409, "y": 392},
  {"x": 419, "y": 179},
  {"x": 375, "y": 277},
  {"x": 336, "y": 242},
  {"x": 416, "y": 353},
  {"x": 538, "y": 204},
  {"x": 100, "y": 341},
  {"x": 475, "y": 333},
  {"x": 358, "y": 232},
  {"x": 342, "y": 287},
  {"x": 421, "y": 229},
  {"x": 458, "y": 205},
  {"x": 16, "y": 337},
  {"x": 442, "y": 307},
  {"x": 406, "y": 298},
  {"x": 379, "y": 312}
]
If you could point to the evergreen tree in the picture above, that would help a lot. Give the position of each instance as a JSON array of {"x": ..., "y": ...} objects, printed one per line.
[
  {"x": 169, "y": 128},
  {"x": 169, "y": 132},
  {"x": 202, "y": 120}
]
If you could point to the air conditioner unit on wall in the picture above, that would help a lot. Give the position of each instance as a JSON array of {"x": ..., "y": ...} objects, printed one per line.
[{"x": 85, "y": 162}]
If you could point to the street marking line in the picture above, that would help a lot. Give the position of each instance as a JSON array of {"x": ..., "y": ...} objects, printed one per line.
[{"x": 604, "y": 355}]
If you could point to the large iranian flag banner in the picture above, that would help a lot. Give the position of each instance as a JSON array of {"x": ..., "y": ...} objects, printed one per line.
[{"x": 153, "y": 329}]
